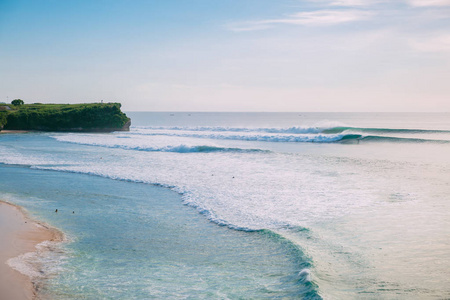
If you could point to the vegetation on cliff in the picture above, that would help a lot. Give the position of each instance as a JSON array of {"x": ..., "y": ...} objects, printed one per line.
[
  {"x": 17, "y": 102},
  {"x": 65, "y": 117},
  {"x": 2, "y": 119}
]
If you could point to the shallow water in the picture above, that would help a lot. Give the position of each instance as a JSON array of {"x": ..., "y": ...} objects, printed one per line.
[
  {"x": 137, "y": 241},
  {"x": 339, "y": 206}
]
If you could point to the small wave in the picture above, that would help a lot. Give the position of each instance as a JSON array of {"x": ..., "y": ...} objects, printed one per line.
[
  {"x": 377, "y": 138},
  {"x": 183, "y": 149},
  {"x": 304, "y": 275},
  {"x": 44, "y": 262},
  {"x": 169, "y": 148},
  {"x": 337, "y": 130},
  {"x": 24, "y": 264},
  {"x": 304, "y": 264},
  {"x": 189, "y": 149}
]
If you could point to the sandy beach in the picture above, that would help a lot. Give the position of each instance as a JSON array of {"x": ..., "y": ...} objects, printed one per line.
[
  {"x": 13, "y": 131},
  {"x": 19, "y": 234}
]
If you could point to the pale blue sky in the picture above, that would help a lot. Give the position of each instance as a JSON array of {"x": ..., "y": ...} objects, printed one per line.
[{"x": 242, "y": 55}]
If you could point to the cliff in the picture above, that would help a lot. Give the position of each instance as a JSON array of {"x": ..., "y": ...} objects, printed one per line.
[{"x": 86, "y": 117}]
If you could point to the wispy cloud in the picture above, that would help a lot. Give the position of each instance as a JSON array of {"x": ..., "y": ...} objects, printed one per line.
[
  {"x": 348, "y": 3},
  {"x": 309, "y": 18},
  {"x": 366, "y": 3},
  {"x": 425, "y": 3}
]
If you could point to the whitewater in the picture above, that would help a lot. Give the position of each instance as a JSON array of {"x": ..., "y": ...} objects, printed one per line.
[{"x": 242, "y": 205}]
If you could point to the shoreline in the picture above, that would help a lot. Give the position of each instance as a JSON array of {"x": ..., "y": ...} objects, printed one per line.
[
  {"x": 20, "y": 235},
  {"x": 13, "y": 131}
]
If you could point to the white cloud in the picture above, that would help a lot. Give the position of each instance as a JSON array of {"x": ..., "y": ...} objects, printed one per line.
[
  {"x": 310, "y": 18},
  {"x": 366, "y": 3},
  {"x": 425, "y": 3},
  {"x": 439, "y": 43},
  {"x": 327, "y": 17},
  {"x": 348, "y": 3},
  {"x": 247, "y": 26}
]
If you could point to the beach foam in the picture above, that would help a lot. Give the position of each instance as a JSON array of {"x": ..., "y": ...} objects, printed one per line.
[
  {"x": 45, "y": 262},
  {"x": 27, "y": 247}
]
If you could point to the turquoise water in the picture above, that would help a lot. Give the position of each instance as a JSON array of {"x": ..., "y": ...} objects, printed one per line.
[
  {"x": 136, "y": 241},
  {"x": 241, "y": 206}
]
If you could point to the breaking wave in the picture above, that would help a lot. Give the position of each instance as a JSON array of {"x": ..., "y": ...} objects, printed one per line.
[
  {"x": 313, "y": 134},
  {"x": 167, "y": 148}
]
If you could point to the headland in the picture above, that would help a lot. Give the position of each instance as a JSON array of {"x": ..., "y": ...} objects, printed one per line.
[{"x": 84, "y": 117}]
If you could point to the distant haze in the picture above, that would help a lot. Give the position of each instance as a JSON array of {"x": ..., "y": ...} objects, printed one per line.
[{"x": 233, "y": 55}]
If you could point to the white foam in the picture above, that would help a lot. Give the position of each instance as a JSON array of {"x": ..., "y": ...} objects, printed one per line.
[
  {"x": 44, "y": 262},
  {"x": 305, "y": 275},
  {"x": 247, "y": 190}
]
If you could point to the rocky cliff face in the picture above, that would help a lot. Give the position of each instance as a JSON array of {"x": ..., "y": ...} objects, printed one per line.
[{"x": 125, "y": 127}]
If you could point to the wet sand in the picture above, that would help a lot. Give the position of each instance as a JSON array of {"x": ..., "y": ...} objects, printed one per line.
[
  {"x": 18, "y": 235},
  {"x": 14, "y": 131}
]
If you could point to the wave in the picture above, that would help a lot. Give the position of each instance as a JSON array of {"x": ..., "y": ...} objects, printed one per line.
[
  {"x": 179, "y": 148},
  {"x": 350, "y": 138},
  {"x": 337, "y": 130},
  {"x": 376, "y": 138},
  {"x": 312, "y": 134},
  {"x": 303, "y": 262},
  {"x": 290, "y": 130},
  {"x": 44, "y": 262},
  {"x": 302, "y": 277},
  {"x": 317, "y": 138},
  {"x": 311, "y": 138},
  {"x": 295, "y": 130},
  {"x": 169, "y": 148}
]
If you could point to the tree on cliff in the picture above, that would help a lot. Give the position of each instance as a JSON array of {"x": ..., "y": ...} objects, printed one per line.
[{"x": 17, "y": 102}]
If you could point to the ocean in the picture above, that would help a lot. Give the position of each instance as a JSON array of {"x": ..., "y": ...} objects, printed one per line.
[{"x": 239, "y": 206}]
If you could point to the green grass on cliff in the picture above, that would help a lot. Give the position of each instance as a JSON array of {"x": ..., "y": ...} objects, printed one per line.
[{"x": 65, "y": 117}]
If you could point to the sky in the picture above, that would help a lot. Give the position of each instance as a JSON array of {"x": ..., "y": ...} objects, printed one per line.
[{"x": 229, "y": 55}]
